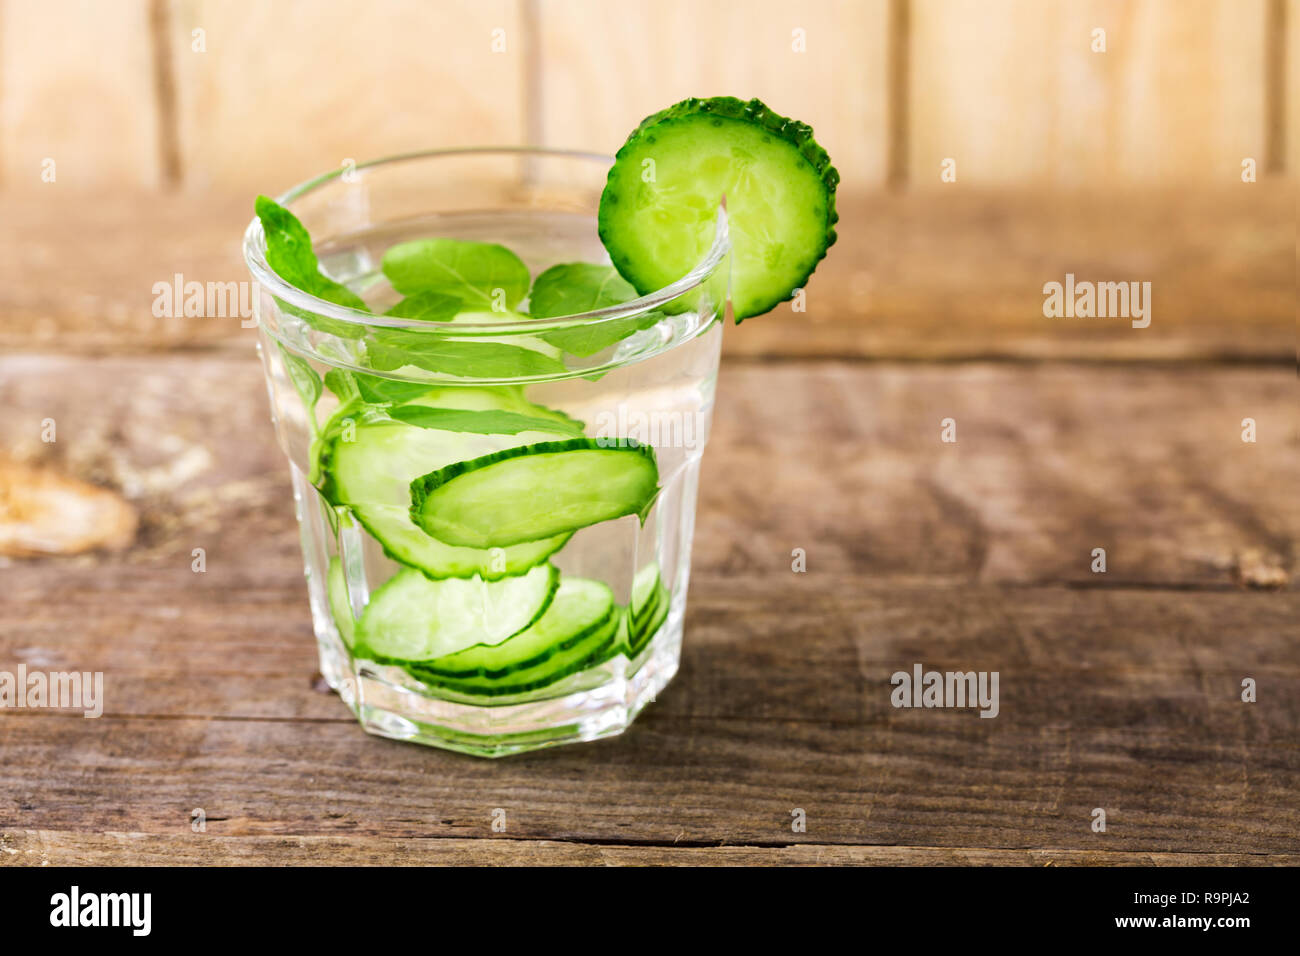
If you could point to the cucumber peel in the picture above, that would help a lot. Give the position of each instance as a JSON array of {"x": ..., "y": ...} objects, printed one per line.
[
  {"x": 647, "y": 610},
  {"x": 580, "y": 609},
  {"x": 579, "y": 630}
]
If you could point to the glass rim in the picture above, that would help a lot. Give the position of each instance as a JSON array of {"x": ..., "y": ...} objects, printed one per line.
[{"x": 266, "y": 277}]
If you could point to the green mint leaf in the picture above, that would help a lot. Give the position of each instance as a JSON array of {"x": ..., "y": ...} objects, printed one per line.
[
  {"x": 342, "y": 383},
  {"x": 291, "y": 257},
  {"x": 483, "y": 275},
  {"x": 390, "y": 349},
  {"x": 305, "y": 382},
  {"x": 289, "y": 253},
  {"x": 430, "y": 306},
  {"x": 585, "y": 340},
  {"x": 484, "y": 422},
  {"x": 384, "y": 391},
  {"x": 575, "y": 287}
]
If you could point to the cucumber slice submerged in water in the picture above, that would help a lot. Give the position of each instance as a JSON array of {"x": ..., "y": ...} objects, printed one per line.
[
  {"x": 411, "y": 618},
  {"x": 648, "y": 608},
  {"x": 372, "y": 473},
  {"x": 535, "y": 491},
  {"x": 580, "y": 608},
  {"x": 644, "y": 586},
  {"x": 336, "y": 587},
  {"x": 779, "y": 186},
  {"x": 579, "y": 630}
]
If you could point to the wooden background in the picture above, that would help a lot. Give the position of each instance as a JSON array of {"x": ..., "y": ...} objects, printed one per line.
[
  {"x": 1120, "y": 690},
  {"x": 238, "y": 96}
]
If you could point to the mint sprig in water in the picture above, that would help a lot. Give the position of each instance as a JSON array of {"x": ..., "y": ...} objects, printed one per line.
[
  {"x": 376, "y": 390},
  {"x": 488, "y": 422},
  {"x": 442, "y": 279},
  {"x": 305, "y": 382},
  {"x": 392, "y": 349},
  {"x": 290, "y": 254},
  {"x": 427, "y": 306},
  {"x": 483, "y": 275},
  {"x": 576, "y": 287}
]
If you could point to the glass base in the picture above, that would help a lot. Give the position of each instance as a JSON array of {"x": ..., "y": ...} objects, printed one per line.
[{"x": 601, "y": 701}]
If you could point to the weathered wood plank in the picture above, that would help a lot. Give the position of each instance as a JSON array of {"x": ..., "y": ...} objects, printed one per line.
[
  {"x": 284, "y": 92},
  {"x": 947, "y": 275},
  {"x": 1178, "y": 94},
  {"x": 1291, "y": 92},
  {"x": 1178, "y": 762},
  {"x": 60, "y": 848},
  {"x": 78, "y": 85},
  {"x": 606, "y": 66},
  {"x": 845, "y": 461},
  {"x": 1011, "y": 88},
  {"x": 1111, "y": 696},
  {"x": 838, "y": 631}
]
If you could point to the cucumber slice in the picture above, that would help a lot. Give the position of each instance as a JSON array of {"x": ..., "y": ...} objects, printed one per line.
[
  {"x": 412, "y": 618},
  {"x": 647, "y": 627},
  {"x": 644, "y": 588},
  {"x": 329, "y": 433},
  {"x": 580, "y": 609},
  {"x": 532, "y": 492},
  {"x": 336, "y": 585},
  {"x": 373, "y": 472},
  {"x": 579, "y": 630},
  {"x": 779, "y": 186},
  {"x": 648, "y": 608},
  {"x": 590, "y": 652}
]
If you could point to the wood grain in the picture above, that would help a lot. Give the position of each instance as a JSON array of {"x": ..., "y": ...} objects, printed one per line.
[
  {"x": 1049, "y": 463},
  {"x": 62, "y": 848},
  {"x": 273, "y": 94},
  {"x": 1119, "y": 690},
  {"x": 77, "y": 88},
  {"x": 1012, "y": 90},
  {"x": 1291, "y": 91},
  {"x": 1121, "y": 693},
  {"x": 1127, "y": 701},
  {"x": 944, "y": 275},
  {"x": 605, "y": 66},
  {"x": 289, "y": 90}
]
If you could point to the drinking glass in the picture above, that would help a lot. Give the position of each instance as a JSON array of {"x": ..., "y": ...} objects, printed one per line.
[{"x": 643, "y": 371}]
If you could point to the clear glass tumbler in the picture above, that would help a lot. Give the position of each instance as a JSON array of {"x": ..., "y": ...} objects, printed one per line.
[{"x": 342, "y": 383}]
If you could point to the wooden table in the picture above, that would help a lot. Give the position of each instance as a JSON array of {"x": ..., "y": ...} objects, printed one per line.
[{"x": 1119, "y": 691}]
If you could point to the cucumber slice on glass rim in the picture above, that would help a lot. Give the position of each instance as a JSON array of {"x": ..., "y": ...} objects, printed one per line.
[{"x": 658, "y": 210}]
